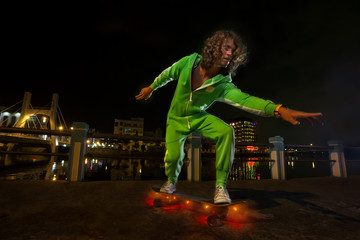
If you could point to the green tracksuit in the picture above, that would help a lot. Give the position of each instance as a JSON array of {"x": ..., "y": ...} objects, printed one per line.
[{"x": 187, "y": 114}]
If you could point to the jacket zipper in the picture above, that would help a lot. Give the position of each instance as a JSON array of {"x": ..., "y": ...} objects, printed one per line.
[
  {"x": 190, "y": 98},
  {"x": 187, "y": 108}
]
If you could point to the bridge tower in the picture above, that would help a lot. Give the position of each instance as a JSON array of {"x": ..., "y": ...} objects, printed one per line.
[{"x": 26, "y": 113}]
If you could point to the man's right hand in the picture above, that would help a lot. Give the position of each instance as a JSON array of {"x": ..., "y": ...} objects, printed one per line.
[{"x": 145, "y": 93}]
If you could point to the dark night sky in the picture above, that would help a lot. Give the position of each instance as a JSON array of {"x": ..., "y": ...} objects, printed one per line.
[{"x": 98, "y": 55}]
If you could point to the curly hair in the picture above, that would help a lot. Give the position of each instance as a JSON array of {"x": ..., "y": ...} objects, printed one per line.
[{"x": 212, "y": 51}]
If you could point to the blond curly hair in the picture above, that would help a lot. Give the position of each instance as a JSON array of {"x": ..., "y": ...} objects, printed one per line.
[{"x": 212, "y": 51}]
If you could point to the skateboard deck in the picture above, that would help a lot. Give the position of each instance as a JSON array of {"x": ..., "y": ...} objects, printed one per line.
[{"x": 215, "y": 214}]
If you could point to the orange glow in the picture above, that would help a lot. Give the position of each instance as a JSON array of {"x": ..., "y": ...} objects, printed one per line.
[
  {"x": 236, "y": 225},
  {"x": 172, "y": 207},
  {"x": 250, "y": 148},
  {"x": 149, "y": 202},
  {"x": 201, "y": 219},
  {"x": 237, "y": 215},
  {"x": 250, "y": 164}
]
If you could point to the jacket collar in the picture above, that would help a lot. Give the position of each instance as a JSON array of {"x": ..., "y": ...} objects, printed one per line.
[{"x": 195, "y": 60}]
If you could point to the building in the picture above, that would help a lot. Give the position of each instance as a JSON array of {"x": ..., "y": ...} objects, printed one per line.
[
  {"x": 245, "y": 129},
  {"x": 135, "y": 126}
]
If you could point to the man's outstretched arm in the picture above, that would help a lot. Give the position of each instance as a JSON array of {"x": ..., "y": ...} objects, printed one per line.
[
  {"x": 169, "y": 74},
  {"x": 261, "y": 107}
]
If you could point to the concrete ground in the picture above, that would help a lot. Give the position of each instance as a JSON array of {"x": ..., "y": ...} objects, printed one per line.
[{"x": 311, "y": 208}]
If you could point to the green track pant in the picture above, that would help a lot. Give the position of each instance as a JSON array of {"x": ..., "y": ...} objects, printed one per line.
[{"x": 178, "y": 128}]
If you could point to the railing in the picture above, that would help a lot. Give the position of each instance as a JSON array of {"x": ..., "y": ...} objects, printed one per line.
[
  {"x": 76, "y": 154},
  {"x": 276, "y": 160}
]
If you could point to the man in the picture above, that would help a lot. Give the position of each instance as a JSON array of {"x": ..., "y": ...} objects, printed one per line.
[{"x": 203, "y": 79}]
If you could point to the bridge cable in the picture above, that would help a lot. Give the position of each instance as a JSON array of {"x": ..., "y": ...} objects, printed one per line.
[
  {"x": 10, "y": 107},
  {"x": 61, "y": 117}
]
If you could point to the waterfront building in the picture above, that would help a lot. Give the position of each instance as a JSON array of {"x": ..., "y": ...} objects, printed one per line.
[
  {"x": 135, "y": 126},
  {"x": 244, "y": 129}
]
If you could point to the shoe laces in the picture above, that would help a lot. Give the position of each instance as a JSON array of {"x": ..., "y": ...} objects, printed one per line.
[
  {"x": 221, "y": 191},
  {"x": 168, "y": 185}
]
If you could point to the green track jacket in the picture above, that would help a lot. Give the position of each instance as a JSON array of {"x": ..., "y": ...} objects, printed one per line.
[{"x": 219, "y": 88}]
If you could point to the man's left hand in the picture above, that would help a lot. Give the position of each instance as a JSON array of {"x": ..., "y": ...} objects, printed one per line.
[{"x": 291, "y": 116}]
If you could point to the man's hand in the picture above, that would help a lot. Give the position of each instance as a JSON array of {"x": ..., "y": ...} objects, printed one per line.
[
  {"x": 291, "y": 116},
  {"x": 145, "y": 93}
]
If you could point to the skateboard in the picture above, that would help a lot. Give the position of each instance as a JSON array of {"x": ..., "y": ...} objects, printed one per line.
[{"x": 215, "y": 214}]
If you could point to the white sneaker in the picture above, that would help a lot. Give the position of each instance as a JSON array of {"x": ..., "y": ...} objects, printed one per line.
[
  {"x": 221, "y": 196},
  {"x": 168, "y": 187}
]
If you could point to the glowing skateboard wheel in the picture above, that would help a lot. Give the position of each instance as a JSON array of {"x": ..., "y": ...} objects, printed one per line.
[
  {"x": 214, "y": 221},
  {"x": 157, "y": 203}
]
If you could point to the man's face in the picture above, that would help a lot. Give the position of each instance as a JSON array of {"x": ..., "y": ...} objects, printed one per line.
[{"x": 227, "y": 49}]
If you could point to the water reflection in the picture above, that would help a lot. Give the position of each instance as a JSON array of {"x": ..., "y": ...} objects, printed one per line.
[{"x": 142, "y": 169}]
